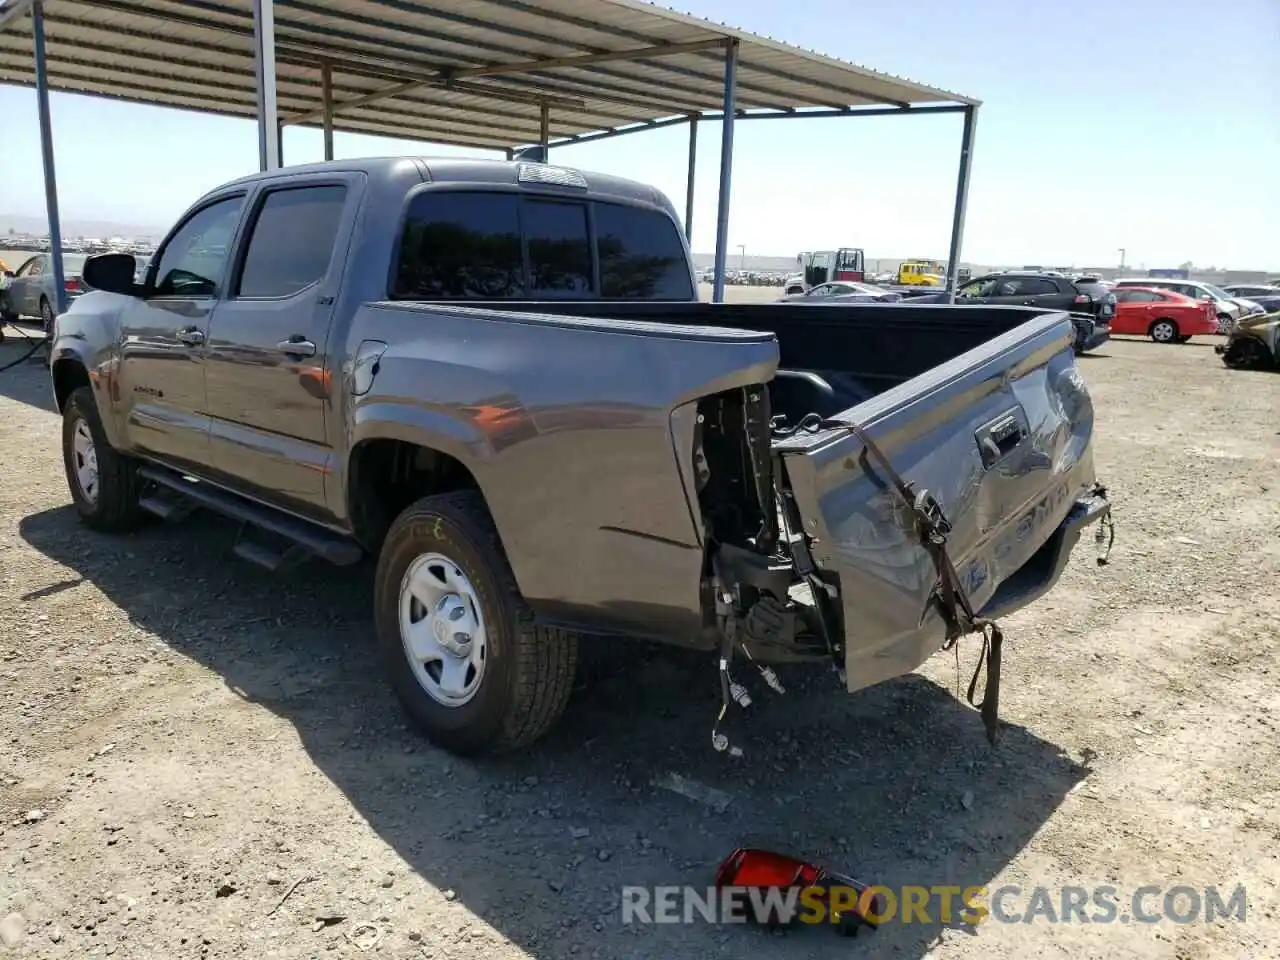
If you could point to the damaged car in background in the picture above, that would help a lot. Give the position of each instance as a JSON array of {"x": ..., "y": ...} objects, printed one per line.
[
  {"x": 496, "y": 379},
  {"x": 1254, "y": 344}
]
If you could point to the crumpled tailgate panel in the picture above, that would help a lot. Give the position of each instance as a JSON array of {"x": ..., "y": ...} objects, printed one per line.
[{"x": 1003, "y": 503}]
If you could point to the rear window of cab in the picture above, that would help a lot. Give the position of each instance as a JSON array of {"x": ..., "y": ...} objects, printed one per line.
[{"x": 491, "y": 245}]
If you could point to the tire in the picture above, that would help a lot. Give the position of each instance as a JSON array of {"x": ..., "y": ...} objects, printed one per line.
[
  {"x": 524, "y": 673},
  {"x": 1246, "y": 353},
  {"x": 1164, "y": 331},
  {"x": 111, "y": 503},
  {"x": 47, "y": 316},
  {"x": 1225, "y": 323}
]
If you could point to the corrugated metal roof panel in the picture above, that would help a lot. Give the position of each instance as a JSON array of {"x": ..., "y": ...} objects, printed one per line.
[{"x": 479, "y": 67}]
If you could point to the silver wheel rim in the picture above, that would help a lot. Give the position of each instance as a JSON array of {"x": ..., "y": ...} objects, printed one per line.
[
  {"x": 1163, "y": 332},
  {"x": 442, "y": 629},
  {"x": 84, "y": 454}
]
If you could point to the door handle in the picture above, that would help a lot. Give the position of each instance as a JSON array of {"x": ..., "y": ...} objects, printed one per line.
[
  {"x": 297, "y": 346},
  {"x": 191, "y": 336},
  {"x": 1001, "y": 436}
]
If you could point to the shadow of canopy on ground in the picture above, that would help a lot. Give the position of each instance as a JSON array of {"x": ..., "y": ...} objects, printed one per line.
[{"x": 870, "y": 784}]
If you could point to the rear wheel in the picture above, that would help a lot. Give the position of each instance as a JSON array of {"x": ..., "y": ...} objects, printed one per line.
[
  {"x": 1164, "y": 331},
  {"x": 458, "y": 640}
]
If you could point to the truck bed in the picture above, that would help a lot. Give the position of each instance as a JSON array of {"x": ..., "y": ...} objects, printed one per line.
[{"x": 863, "y": 349}]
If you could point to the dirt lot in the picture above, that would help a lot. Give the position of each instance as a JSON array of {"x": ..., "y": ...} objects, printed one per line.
[{"x": 185, "y": 738}]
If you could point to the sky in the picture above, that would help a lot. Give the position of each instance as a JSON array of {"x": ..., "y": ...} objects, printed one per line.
[{"x": 1148, "y": 125}]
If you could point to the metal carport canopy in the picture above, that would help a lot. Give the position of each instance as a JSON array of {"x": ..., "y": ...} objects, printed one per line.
[{"x": 488, "y": 74}]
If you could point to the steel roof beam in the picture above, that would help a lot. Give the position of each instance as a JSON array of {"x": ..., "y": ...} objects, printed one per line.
[
  {"x": 637, "y": 37},
  {"x": 508, "y": 69},
  {"x": 302, "y": 51}
]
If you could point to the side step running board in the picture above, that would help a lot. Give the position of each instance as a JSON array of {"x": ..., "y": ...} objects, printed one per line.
[{"x": 333, "y": 547}]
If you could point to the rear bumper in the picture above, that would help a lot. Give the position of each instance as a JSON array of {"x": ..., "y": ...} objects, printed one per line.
[
  {"x": 1039, "y": 574},
  {"x": 1097, "y": 338}
]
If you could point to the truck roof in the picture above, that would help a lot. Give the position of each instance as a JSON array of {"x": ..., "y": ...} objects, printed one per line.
[{"x": 480, "y": 172}]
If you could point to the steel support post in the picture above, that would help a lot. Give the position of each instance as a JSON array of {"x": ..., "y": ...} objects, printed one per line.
[
  {"x": 264, "y": 57},
  {"x": 726, "y": 166},
  {"x": 962, "y": 200},
  {"x": 46, "y": 154},
  {"x": 688, "y": 190},
  {"x": 326, "y": 94}
]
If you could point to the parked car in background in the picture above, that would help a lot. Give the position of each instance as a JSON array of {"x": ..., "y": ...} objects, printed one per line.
[
  {"x": 1266, "y": 296},
  {"x": 1228, "y": 310},
  {"x": 31, "y": 292},
  {"x": 1090, "y": 302},
  {"x": 1162, "y": 315},
  {"x": 844, "y": 291}
]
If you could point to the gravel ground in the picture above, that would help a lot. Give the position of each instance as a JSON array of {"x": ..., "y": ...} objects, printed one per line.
[{"x": 199, "y": 760}]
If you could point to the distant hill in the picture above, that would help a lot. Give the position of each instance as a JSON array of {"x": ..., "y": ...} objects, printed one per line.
[{"x": 74, "y": 227}]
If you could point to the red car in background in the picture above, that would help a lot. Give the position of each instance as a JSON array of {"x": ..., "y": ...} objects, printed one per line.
[{"x": 1162, "y": 315}]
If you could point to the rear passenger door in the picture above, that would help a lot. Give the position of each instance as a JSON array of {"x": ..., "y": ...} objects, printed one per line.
[{"x": 268, "y": 374}]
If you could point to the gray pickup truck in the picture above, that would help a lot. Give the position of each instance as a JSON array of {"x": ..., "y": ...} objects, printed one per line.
[{"x": 495, "y": 378}]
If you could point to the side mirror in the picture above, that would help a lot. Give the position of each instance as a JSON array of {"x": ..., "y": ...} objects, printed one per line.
[{"x": 112, "y": 272}]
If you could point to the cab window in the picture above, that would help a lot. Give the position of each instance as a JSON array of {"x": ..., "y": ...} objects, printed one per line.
[
  {"x": 194, "y": 259},
  {"x": 978, "y": 288}
]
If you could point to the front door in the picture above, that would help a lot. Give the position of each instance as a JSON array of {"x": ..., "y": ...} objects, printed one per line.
[
  {"x": 977, "y": 291},
  {"x": 268, "y": 377},
  {"x": 162, "y": 337}
]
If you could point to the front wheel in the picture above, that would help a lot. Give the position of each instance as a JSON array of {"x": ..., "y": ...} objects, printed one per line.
[
  {"x": 1164, "y": 331},
  {"x": 104, "y": 483},
  {"x": 458, "y": 640}
]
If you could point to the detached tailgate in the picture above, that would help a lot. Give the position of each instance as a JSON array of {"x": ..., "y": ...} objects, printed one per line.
[{"x": 1001, "y": 437}]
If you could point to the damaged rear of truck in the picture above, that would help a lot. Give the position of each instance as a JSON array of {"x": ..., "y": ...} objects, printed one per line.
[
  {"x": 859, "y": 486},
  {"x": 819, "y": 548}
]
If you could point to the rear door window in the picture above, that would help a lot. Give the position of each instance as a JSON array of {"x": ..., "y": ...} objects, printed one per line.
[
  {"x": 1036, "y": 286},
  {"x": 461, "y": 245},
  {"x": 559, "y": 249},
  {"x": 292, "y": 241},
  {"x": 641, "y": 255}
]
